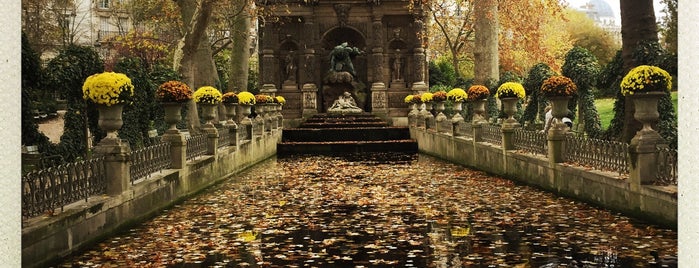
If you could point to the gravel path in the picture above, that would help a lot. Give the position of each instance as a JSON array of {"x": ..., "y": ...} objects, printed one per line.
[{"x": 53, "y": 128}]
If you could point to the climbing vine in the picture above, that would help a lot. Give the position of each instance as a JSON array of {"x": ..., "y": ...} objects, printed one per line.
[
  {"x": 582, "y": 67},
  {"x": 532, "y": 84}
]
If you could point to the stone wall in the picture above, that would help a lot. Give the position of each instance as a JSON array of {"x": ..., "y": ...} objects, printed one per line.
[
  {"x": 605, "y": 189},
  {"x": 47, "y": 239}
]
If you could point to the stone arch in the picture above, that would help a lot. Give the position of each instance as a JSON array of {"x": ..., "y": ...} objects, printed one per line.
[{"x": 355, "y": 38}]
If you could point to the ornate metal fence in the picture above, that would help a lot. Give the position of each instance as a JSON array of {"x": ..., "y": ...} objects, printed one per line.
[
  {"x": 600, "y": 154},
  {"x": 196, "y": 146},
  {"x": 531, "y": 141},
  {"x": 667, "y": 166},
  {"x": 148, "y": 160},
  {"x": 492, "y": 134},
  {"x": 224, "y": 137},
  {"x": 464, "y": 129},
  {"x": 45, "y": 190}
]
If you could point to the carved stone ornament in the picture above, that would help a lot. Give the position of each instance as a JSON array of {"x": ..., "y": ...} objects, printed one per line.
[{"x": 342, "y": 11}]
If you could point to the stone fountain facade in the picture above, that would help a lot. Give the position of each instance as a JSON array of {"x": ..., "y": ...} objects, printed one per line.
[{"x": 295, "y": 55}]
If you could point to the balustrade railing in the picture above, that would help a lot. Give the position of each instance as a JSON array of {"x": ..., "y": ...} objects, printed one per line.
[
  {"x": 492, "y": 134},
  {"x": 224, "y": 137},
  {"x": 667, "y": 166},
  {"x": 196, "y": 146},
  {"x": 600, "y": 154},
  {"x": 45, "y": 190},
  {"x": 148, "y": 160},
  {"x": 531, "y": 141}
]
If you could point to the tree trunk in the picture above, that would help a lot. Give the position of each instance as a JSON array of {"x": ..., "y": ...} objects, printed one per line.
[
  {"x": 637, "y": 24},
  {"x": 193, "y": 58},
  {"x": 240, "y": 25},
  {"x": 485, "y": 53}
]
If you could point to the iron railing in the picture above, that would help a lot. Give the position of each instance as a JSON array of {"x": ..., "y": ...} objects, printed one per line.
[
  {"x": 464, "y": 129},
  {"x": 148, "y": 160},
  {"x": 530, "y": 141},
  {"x": 45, "y": 190},
  {"x": 224, "y": 137},
  {"x": 492, "y": 134},
  {"x": 667, "y": 166},
  {"x": 600, "y": 154},
  {"x": 196, "y": 146}
]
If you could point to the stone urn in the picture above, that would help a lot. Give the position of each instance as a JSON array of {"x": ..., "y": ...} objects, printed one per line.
[
  {"x": 458, "y": 107},
  {"x": 110, "y": 119},
  {"x": 230, "y": 113},
  {"x": 559, "y": 106},
  {"x": 646, "y": 108},
  {"x": 479, "y": 110},
  {"x": 208, "y": 113},
  {"x": 439, "y": 109},
  {"x": 245, "y": 110},
  {"x": 173, "y": 115},
  {"x": 509, "y": 106}
]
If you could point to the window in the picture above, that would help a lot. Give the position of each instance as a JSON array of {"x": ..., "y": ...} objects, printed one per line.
[{"x": 103, "y": 4}]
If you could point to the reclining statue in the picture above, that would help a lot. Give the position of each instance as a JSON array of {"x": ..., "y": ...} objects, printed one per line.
[{"x": 345, "y": 104}]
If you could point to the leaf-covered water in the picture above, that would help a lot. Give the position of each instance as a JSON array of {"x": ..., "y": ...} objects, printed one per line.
[{"x": 381, "y": 210}]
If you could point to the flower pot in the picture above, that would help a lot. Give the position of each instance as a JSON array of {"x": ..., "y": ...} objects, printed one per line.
[
  {"x": 230, "y": 111},
  {"x": 559, "y": 106},
  {"x": 172, "y": 114},
  {"x": 245, "y": 110},
  {"x": 646, "y": 108},
  {"x": 110, "y": 119},
  {"x": 479, "y": 110},
  {"x": 208, "y": 113},
  {"x": 509, "y": 106}
]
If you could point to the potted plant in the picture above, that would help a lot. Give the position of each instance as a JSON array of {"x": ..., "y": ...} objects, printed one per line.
[
  {"x": 509, "y": 93},
  {"x": 559, "y": 89},
  {"x": 110, "y": 91},
  {"x": 230, "y": 101},
  {"x": 246, "y": 100},
  {"x": 457, "y": 96},
  {"x": 477, "y": 92},
  {"x": 645, "y": 84},
  {"x": 209, "y": 97},
  {"x": 172, "y": 94}
]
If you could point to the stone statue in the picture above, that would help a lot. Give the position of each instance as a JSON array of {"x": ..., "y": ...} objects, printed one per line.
[
  {"x": 341, "y": 58},
  {"x": 290, "y": 66},
  {"x": 397, "y": 65},
  {"x": 345, "y": 104}
]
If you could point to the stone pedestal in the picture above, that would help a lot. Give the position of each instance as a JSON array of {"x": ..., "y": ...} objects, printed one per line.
[
  {"x": 456, "y": 120},
  {"x": 643, "y": 149},
  {"x": 117, "y": 155},
  {"x": 379, "y": 100},
  {"x": 508, "y": 131},
  {"x": 178, "y": 149},
  {"x": 211, "y": 140},
  {"x": 309, "y": 100},
  {"x": 556, "y": 143},
  {"x": 420, "y": 86},
  {"x": 478, "y": 130}
]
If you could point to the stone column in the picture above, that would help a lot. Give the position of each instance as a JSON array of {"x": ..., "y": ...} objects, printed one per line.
[
  {"x": 419, "y": 84},
  {"x": 556, "y": 141},
  {"x": 268, "y": 69},
  {"x": 117, "y": 155},
  {"x": 478, "y": 130},
  {"x": 379, "y": 100},
  {"x": 178, "y": 149},
  {"x": 643, "y": 154},
  {"x": 211, "y": 140}
]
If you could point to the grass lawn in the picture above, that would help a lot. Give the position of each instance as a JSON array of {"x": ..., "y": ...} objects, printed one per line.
[{"x": 605, "y": 108}]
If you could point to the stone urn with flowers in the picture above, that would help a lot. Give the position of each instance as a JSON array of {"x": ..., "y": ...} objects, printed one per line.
[
  {"x": 558, "y": 90},
  {"x": 230, "y": 101},
  {"x": 478, "y": 96},
  {"x": 173, "y": 95},
  {"x": 509, "y": 94},
  {"x": 109, "y": 91},
  {"x": 208, "y": 98}
]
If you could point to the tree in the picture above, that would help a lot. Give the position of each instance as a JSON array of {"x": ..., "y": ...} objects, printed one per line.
[
  {"x": 454, "y": 20},
  {"x": 486, "y": 45},
  {"x": 240, "y": 23},
  {"x": 193, "y": 57},
  {"x": 586, "y": 34},
  {"x": 669, "y": 26},
  {"x": 637, "y": 25},
  {"x": 49, "y": 24},
  {"x": 582, "y": 68}
]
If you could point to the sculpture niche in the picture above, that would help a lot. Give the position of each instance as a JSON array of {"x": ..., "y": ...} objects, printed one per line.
[{"x": 341, "y": 82}]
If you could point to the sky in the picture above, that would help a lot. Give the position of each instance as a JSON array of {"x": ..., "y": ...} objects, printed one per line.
[{"x": 657, "y": 5}]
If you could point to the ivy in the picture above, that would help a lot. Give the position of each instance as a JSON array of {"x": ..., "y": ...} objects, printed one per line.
[
  {"x": 532, "y": 86},
  {"x": 650, "y": 53},
  {"x": 582, "y": 67},
  {"x": 66, "y": 74}
]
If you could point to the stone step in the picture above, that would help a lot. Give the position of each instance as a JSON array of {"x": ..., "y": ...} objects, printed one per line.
[
  {"x": 335, "y": 147},
  {"x": 343, "y": 125},
  {"x": 345, "y": 134}
]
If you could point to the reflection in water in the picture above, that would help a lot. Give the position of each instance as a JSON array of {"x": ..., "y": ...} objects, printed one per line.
[{"x": 381, "y": 210}]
